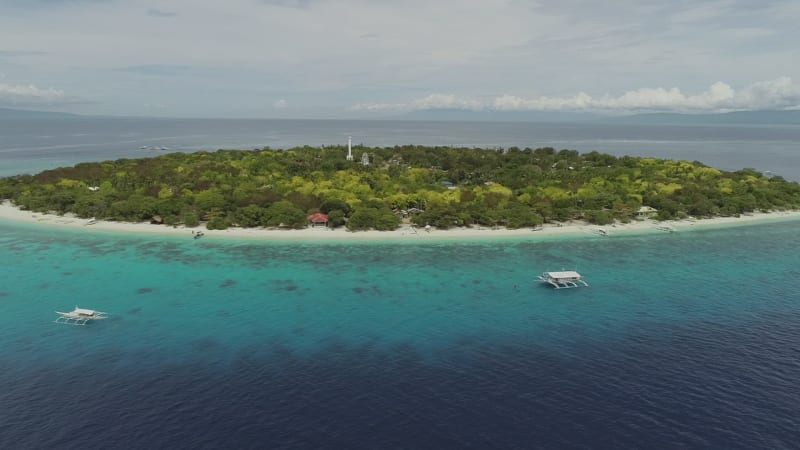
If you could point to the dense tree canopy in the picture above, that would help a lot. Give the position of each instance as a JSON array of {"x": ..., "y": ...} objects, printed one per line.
[{"x": 440, "y": 186}]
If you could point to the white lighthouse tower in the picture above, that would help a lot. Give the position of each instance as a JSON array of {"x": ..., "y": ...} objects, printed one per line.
[{"x": 349, "y": 148}]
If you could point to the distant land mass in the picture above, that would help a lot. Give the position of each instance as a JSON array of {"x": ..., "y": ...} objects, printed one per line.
[
  {"x": 732, "y": 118},
  {"x": 9, "y": 113},
  {"x": 463, "y": 115},
  {"x": 738, "y": 117},
  {"x": 784, "y": 117}
]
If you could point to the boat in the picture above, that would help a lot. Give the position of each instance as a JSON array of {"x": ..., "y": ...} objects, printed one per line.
[
  {"x": 198, "y": 235},
  {"x": 91, "y": 221},
  {"x": 79, "y": 316},
  {"x": 666, "y": 228},
  {"x": 562, "y": 280}
]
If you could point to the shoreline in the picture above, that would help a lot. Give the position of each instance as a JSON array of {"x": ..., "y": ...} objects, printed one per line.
[{"x": 406, "y": 233}]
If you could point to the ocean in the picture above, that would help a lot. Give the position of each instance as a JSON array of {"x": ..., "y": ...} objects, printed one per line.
[
  {"x": 683, "y": 340},
  {"x": 32, "y": 145}
]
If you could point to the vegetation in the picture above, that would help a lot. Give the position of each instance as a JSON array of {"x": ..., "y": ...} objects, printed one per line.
[{"x": 439, "y": 186}]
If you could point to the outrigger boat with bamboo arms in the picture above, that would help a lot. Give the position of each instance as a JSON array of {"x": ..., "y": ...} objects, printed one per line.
[
  {"x": 80, "y": 316},
  {"x": 563, "y": 279}
]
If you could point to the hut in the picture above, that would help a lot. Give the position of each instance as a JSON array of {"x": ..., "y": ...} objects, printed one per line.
[
  {"x": 318, "y": 219},
  {"x": 646, "y": 212}
]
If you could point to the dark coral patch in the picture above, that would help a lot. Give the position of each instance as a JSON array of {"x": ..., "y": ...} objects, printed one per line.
[
  {"x": 4, "y": 294},
  {"x": 66, "y": 274},
  {"x": 291, "y": 287},
  {"x": 135, "y": 311},
  {"x": 358, "y": 290},
  {"x": 144, "y": 290},
  {"x": 227, "y": 283}
]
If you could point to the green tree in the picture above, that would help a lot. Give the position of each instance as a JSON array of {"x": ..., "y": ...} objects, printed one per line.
[{"x": 284, "y": 214}]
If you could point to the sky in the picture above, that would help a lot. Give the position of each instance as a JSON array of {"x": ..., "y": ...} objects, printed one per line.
[{"x": 374, "y": 58}]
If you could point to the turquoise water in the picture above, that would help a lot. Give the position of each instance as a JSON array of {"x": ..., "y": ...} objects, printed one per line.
[
  {"x": 468, "y": 311},
  {"x": 174, "y": 299}
]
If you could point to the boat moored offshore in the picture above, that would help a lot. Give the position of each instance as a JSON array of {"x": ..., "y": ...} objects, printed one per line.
[{"x": 563, "y": 279}]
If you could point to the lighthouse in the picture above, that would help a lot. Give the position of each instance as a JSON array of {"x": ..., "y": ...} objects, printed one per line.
[{"x": 349, "y": 148}]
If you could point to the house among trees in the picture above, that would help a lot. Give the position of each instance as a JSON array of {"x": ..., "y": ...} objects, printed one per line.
[
  {"x": 318, "y": 219},
  {"x": 405, "y": 213},
  {"x": 646, "y": 212}
]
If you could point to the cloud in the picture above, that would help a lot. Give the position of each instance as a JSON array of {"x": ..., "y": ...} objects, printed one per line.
[
  {"x": 780, "y": 93},
  {"x": 159, "y": 70},
  {"x": 433, "y": 101},
  {"x": 380, "y": 55},
  {"x": 152, "y": 12},
  {"x": 30, "y": 95},
  {"x": 280, "y": 104}
]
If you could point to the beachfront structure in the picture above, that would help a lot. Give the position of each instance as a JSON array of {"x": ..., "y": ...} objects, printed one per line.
[
  {"x": 564, "y": 279},
  {"x": 318, "y": 219},
  {"x": 349, "y": 148},
  {"x": 646, "y": 212},
  {"x": 79, "y": 316}
]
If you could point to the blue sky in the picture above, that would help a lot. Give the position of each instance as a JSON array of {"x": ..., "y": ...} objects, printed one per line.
[{"x": 359, "y": 58}]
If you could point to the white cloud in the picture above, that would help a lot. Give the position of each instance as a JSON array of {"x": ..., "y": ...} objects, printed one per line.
[
  {"x": 280, "y": 104},
  {"x": 445, "y": 101},
  {"x": 433, "y": 101},
  {"x": 780, "y": 93},
  {"x": 30, "y": 95},
  {"x": 326, "y": 55}
]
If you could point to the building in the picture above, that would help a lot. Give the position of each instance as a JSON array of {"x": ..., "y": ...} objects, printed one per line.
[
  {"x": 318, "y": 219},
  {"x": 646, "y": 212}
]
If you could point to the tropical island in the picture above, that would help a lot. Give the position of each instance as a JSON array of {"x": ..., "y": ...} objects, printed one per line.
[{"x": 382, "y": 188}]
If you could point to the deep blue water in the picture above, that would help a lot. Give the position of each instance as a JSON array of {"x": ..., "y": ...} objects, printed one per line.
[
  {"x": 32, "y": 145},
  {"x": 683, "y": 340}
]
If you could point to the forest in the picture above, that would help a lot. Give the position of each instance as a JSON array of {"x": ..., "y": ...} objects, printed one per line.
[{"x": 383, "y": 187}]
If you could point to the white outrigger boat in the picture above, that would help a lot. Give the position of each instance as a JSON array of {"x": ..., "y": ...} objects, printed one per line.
[
  {"x": 563, "y": 280},
  {"x": 79, "y": 316}
]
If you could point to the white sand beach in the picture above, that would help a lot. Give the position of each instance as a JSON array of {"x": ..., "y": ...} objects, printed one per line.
[{"x": 10, "y": 213}]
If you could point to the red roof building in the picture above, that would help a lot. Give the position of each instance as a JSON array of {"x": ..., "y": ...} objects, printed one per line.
[{"x": 318, "y": 219}]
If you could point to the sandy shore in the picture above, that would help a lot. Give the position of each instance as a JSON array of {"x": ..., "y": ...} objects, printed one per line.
[{"x": 9, "y": 213}]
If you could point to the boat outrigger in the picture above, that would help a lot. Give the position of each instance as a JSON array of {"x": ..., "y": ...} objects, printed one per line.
[
  {"x": 562, "y": 280},
  {"x": 79, "y": 316}
]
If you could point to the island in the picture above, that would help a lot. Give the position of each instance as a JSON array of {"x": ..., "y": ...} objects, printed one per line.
[{"x": 370, "y": 188}]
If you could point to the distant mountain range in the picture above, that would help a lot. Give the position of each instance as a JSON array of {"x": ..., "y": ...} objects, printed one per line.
[
  {"x": 459, "y": 115},
  {"x": 496, "y": 116},
  {"x": 8, "y": 113},
  {"x": 732, "y": 118}
]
